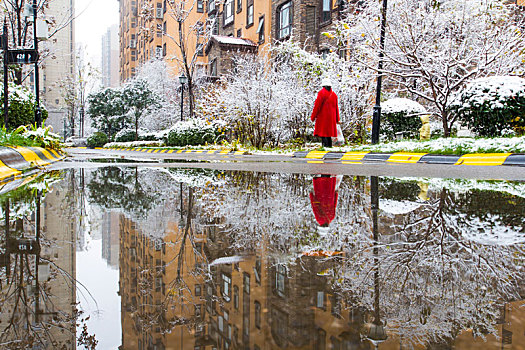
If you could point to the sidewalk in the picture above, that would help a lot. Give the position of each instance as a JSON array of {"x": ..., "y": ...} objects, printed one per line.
[{"x": 15, "y": 161}]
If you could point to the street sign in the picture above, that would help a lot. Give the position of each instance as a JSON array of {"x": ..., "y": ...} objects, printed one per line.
[
  {"x": 22, "y": 56},
  {"x": 22, "y": 246}
]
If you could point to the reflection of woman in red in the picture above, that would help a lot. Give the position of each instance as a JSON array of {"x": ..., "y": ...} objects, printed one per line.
[{"x": 324, "y": 199}]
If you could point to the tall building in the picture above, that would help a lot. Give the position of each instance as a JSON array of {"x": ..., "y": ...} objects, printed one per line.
[
  {"x": 150, "y": 29},
  {"x": 59, "y": 64},
  {"x": 110, "y": 57}
]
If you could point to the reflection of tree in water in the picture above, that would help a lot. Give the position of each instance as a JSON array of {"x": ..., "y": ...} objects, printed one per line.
[
  {"x": 435, "y": 281},
  {"x": 120, "y": 187},
  {"x": 32, "y": 315}
]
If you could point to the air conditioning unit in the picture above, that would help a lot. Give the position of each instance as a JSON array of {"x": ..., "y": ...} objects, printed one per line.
[{"x": 159, "y": 14}]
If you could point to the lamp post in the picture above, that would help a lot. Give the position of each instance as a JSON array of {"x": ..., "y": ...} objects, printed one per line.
[
  {"x": 5, "y": 47},
  {"x": 376, "y": 330},
  {"x": 38, "y": 111},
  {"x": 377, "y": 108},
  {"x": 183, "y": 80}
]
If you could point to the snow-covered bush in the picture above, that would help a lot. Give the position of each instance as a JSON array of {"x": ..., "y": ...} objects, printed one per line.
[
  {"x": 42, "y": 137},
  {"x": 492, "y": 106},
  {"x": 401, "y": 115},
  {"x": 194, "y": 132},
  {"x": 21, "y": 106},
  {"x": 128, "y": 134},
  {"x": 98, "y": 139}
]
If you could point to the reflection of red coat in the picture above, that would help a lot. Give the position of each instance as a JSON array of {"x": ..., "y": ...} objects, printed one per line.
[
  {"x": 324, "y": 199},
  {"x": 325, "y": 114}
]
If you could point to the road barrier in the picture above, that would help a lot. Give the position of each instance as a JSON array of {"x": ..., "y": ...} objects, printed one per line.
[{"x": 14, "y": 161}]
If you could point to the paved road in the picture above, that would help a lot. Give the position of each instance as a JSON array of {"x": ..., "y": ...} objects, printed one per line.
[{"x": 283, "y": 163}]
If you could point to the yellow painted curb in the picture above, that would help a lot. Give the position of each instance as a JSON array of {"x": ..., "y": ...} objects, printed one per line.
[
  {"x": 6, "y": 172},
  {"x": 490, "y": 159},
  {"x": 354, "y": 156},
  {"x": 408, "y": 158},
  {"x": 316, "y": 154},
  {"x": 31, "y": 156}
]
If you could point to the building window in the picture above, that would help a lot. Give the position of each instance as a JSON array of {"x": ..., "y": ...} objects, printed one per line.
[
  {"x": 239, "y": 6},
  {"x": 200, "y": 6},
  {"x": 320, "y": 299},
  {"x": 226, "y": 287},
  {"x": 165, "y": 28},
  {"x": 239, "y": 33},
  {"x": 199, "y": 48},
  {"x": 326, "y": 14},
  {"x": 198, "y": 290},
  {"x": 164, "y": 50},
  {"x": 236, "y": 297},
  {"x": 228, "y": 12},
  {"x": 284, "y": 15},
  {"x": 213, "y": 68},
  {"x": 280, "y": 278},
  {"x": 211, "y": 6},
  {"x": 260, "y": 32},
  {"x": 249, "y": 14},
  {"x": 246, "y": 283},
  {"x": 257, "y": 314}
]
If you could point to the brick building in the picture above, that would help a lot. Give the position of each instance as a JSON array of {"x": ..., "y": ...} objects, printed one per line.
[{"x": 149, "y": 29}]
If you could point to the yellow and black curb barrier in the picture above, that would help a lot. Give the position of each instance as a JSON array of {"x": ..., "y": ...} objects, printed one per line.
[
  {"x": 486, "y": 159},
  {"x": 166, "y": 151},
  {"x": 14, "y": 161}
]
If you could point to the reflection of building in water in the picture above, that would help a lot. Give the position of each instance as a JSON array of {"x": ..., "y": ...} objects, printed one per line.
[
  {"x": 110, "y": 238},
  {"x": 510, "y": 334},
  {"x": 43, "y": 294},
  {"x": 59, "y": 226}
]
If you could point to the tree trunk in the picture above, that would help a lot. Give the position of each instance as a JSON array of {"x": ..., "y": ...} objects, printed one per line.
[
  {"x": 444, "y": 119},
  {"x": 136, "y": 128}
]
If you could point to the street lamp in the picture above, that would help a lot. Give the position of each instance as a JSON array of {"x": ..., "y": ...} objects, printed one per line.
[
  {"x": 376, "y": 330},
  {"x": 183, "y": 80},
  {"x": 377, "y": 108}
]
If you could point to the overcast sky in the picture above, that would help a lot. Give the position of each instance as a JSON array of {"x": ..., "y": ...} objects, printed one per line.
[{"x": 93, "y": 19}]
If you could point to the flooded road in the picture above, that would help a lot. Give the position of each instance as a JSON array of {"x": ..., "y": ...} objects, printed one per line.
[{"x": 172, "y": 258}]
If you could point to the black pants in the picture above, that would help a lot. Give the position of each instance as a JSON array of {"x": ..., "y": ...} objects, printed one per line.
[{"x": 326, "y": 141}]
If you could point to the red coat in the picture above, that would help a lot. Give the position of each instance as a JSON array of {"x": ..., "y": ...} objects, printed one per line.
[
  {"x": 324, "y": 199},
  {"x": 326, "y": 114}
]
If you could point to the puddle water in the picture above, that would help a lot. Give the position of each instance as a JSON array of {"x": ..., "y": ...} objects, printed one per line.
[{"x": 143, "y": 258}]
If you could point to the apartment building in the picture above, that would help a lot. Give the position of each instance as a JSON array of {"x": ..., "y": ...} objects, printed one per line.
[
  {"x": 150, "y": 29},
  {"x": 110, "y": 58},
  {"x": 59, "y": 64}
]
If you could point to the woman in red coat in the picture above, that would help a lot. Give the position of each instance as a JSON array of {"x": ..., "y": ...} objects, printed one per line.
[{"x": 326, "y": 114}]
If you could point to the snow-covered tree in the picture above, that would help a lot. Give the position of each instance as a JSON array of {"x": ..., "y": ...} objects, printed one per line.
[
  {"x": 194, "y": 31},
  {"x": 433, "y": 48},
  {"x": 138, "y": 99},
  {"x": 165, "y": 85}
]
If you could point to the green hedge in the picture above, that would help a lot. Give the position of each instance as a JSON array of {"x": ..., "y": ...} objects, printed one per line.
[{"x": 98, "y": 139}]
